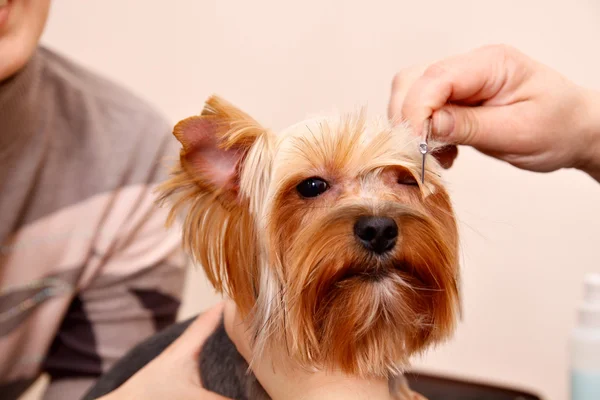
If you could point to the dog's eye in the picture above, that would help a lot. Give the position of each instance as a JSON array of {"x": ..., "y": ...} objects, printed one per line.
[
  {"x": 312, "y": 187},
  {"x": 406, "y": 178}
]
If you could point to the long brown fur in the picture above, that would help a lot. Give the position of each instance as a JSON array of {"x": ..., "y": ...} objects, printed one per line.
[
  {"x": 292, "y": 264},
  {"x": 217, "y": 224}
]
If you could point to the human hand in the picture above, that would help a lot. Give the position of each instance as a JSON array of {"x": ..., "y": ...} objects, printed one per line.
[
  {"x": 285, "y": 381},
  {"x": 505, "y": 105},
  {"x": 174, "y": 374}
]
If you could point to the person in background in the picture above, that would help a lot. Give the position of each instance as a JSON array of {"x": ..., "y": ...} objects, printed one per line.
[{"x": 87, "y": 269}]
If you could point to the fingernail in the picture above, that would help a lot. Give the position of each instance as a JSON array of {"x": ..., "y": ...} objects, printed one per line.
[{"x": 443, "y": 123}]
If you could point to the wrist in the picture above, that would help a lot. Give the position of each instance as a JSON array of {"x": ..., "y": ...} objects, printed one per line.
[{"x": 589, "y": 158}]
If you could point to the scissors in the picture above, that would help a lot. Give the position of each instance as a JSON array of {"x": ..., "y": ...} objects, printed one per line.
[{"x": 423, "y": 149}]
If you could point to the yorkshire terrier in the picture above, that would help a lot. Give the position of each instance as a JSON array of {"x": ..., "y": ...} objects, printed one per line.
[{"x": 334, "y": 251}]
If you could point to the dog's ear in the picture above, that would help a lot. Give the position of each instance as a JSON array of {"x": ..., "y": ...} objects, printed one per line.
[
  {"x": 204, "y": 188},
  {"x": 214, "y": 145},
  {"x": 446, "y": 155}
]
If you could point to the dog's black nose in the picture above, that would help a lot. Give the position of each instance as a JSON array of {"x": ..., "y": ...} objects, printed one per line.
[{"x": 376, "y": 234}]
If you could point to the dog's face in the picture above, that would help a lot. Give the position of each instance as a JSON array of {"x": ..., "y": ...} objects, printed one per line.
[{"x": 322, "y": 234}]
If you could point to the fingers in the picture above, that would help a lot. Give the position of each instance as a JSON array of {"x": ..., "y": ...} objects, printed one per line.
[
  {"x": 195, "y": 335},
  {"x": 465, "y": 79},
  {"x": 484, "y": 128},
  {"x": 400, "y": 85},
  {"x": 236, "y": 330},
  {"x": 178, "y": 366}
]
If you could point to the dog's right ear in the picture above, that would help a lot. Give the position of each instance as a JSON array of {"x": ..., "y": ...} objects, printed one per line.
[{"x": 214, "y": 145}]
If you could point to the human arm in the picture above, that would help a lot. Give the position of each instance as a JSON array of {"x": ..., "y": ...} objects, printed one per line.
[{"x": 506, "y": 105}]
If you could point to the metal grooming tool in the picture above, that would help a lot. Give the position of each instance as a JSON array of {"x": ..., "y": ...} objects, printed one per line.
[{"x": 423, "y": 149}]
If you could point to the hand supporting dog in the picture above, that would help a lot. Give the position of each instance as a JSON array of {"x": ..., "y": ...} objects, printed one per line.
[{"x": 174, "y": 373}]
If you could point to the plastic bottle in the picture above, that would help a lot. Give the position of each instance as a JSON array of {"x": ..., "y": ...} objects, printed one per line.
[{"x": 585, "y": 344}]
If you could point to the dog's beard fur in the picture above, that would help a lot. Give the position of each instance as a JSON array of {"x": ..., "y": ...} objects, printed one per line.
[
  {"x": 365, "y": 314},
  {"x": 308, "y": 289}
]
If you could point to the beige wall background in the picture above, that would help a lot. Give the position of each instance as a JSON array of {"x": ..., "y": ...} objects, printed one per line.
[{"x": 527, "y": 239}]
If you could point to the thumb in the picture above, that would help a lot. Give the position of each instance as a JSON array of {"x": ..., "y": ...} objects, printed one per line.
[
  {"x": 192, "y": 339},
  {"x": 237, "y": 330},
  {"x": 484, "y": 128}
]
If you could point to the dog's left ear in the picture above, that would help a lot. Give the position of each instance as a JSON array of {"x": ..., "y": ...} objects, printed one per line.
[
  {"x": 214, "y": 145},
  {"x": 446, "y": 155}
]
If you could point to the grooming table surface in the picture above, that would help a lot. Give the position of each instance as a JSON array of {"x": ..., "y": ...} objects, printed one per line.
[{"x": 444, "y": 388}]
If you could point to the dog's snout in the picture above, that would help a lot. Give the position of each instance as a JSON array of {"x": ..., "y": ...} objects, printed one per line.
[{"x": 376, "y": 234}]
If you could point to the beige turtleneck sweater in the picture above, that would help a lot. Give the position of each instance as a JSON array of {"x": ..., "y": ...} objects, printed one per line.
[{"x": 87, "y": 269}]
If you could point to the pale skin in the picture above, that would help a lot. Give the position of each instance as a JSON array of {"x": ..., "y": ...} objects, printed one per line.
[
  {"x": 20, "y": 31},
  {"x": 283, "y": 380},
  {"x": 505, "y": 105},
  {"x": 175, "y": 374}
]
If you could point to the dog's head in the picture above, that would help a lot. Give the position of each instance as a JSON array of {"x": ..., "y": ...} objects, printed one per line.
[{"x": 322, "y": 234}]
